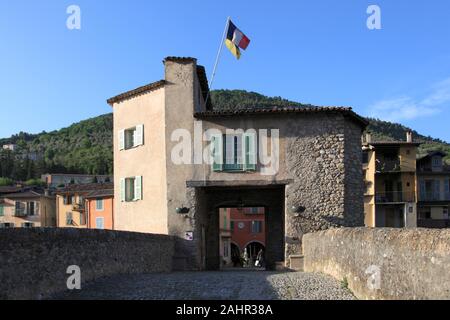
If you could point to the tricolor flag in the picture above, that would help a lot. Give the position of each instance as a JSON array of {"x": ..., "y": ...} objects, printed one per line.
[{"x": 235, "y": 40}]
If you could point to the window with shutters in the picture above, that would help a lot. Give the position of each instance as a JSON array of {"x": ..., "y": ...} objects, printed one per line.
[
  {"x": 131, "y": 189},
  {"x": 234, "y": 152},
  {"x": 131, "y": 137}
]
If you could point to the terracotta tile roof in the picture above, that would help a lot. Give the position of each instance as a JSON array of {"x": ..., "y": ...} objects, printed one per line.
[
  {"x": 85, "y": 188},
  {"x": 9, "y": 189},
  {"x": 136, "y": 92},
  {"x": 20, "y": 195},
  {"x": 100, "y": 193},
  {"x": 179, "y": 59},
  {"x": 347, "y": 111},
  {"x": 391, "y": 143},
  {"x": 431, "y": 154}
]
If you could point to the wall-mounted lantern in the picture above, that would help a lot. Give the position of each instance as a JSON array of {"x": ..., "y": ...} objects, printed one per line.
[
  {"x": 297, "y": 210},
  {"x": 182, "y": 210}
]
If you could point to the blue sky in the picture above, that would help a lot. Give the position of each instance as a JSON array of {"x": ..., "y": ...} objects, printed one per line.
[{"x": 319, "y": 52}]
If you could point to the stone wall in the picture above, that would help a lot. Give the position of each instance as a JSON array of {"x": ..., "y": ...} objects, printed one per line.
[
  {"x": 324, "y": 160},
  {"x": 34, "y": 261},
  {"x": 383, "y": 263}
]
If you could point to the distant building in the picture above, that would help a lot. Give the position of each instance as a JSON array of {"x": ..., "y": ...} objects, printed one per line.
[
  {"x": 99, "y": 208},
  {"x": 433, "y": 177},
  {"x": 55, "y": 180},
  {"x": 10, "y": 147},
  {"x": 73, "y": 206},
  {"x": 241, "y": 229},
  {"x": 4, "y": 190},
  {"x": 389, "y": 169},
  {"x": 27, "y": 209}
]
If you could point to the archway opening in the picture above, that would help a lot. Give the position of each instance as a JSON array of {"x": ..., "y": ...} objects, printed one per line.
[{"x": 242, "y": 237}]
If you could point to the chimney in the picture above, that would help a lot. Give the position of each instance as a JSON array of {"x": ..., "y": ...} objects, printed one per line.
[
  {"x": 409, "y": 136},
  {"x": 368, "y": 138}
]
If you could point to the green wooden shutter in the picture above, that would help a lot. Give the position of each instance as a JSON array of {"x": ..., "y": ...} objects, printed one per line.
[
  {"x": 139, "y": 135},
  {"x": 121, "y": 139},
  {"x": 217, "y": 152},
  {"x": 2, "y": 211},
  {"x": 250, "y": 151},
  {"x": 138, "y": 188},
  {"x": 122, "y": 190}
]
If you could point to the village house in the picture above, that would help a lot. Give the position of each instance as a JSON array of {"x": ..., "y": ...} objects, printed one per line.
[
  {"x": 433, "y": 179},
  {"x": 313, "y": 180},
  {"x": 55, "y": 180},
  {"x": 99, "y": 209},
  {"x": 390, "y": 182},
  {"x": 10, "y": 147},
  {"x": 27, "y": 209},
  {"x": 74, "y": 204}
]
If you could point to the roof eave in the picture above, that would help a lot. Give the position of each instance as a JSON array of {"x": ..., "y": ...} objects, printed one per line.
[{"x": 135, "y": 92}]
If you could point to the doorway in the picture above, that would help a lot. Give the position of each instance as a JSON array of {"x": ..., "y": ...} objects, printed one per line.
[{"x": 258, "y": 215}]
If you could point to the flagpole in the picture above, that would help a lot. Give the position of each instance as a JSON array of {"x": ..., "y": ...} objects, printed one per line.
[{"x": 217, "y": 60}]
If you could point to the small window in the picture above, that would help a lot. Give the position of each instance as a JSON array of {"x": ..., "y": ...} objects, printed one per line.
[
  {"x": 8, "y": 225},
  {"x": 31, "y": 208},
  {"x": 20, "y": 209},
  {"x": 68, "y": 200},
  {"x": 234, "y": 152},
  {"x": 100, "y": 223},
  {"x": 69, "y": 219},
  {"x": 254, "y": 210},
  {"x": 27, "y": 225},
  {"x": 131, "y": 137},
  {"x": 99, "y": 204},
  {"x": 256, "y": 226},
  {"x": 231, "y": 226},
  {"x": 436, "y": 161},
  {"x": 131, "y": 189},
  {"x": 2, "y": 210},
  {"x": 365, "y": 157}
]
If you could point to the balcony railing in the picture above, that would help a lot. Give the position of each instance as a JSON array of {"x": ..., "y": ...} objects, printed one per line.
[
  {"x": 78, "y": 207},
  {"x": 433, "y": 224},
  {"x": 395, "y": 196},
  {"x": 20, "y": 212},
  {"x": 388, "y": 166},
  {"x": 434, "y": 196}
]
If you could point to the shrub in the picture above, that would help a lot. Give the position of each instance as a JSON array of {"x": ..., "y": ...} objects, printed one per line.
[{"x": 6, "y": 182}]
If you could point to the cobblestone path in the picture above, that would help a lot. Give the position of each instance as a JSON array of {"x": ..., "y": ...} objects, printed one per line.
[{"x": 238, "y": 285}]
